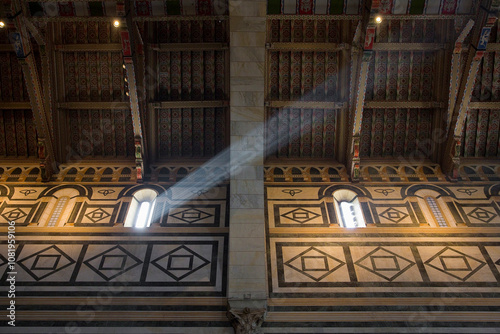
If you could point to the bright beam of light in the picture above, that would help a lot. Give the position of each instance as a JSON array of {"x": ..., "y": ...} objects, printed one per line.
[
  {"x": 348, "y": 215},
  {"x": 142, "y": 216},
  {"x": 231, "y": 160}
]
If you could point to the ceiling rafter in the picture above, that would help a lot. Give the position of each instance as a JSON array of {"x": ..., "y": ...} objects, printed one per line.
[
  {"x": 359, "y": 76},
  {"x": 457, "y": 116},
  {"x": 133, "y": 55},
  {"x": 39, "y": 97}
]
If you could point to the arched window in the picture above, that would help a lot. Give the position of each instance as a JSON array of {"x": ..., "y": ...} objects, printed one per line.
[
  {"x": 349, "y": 211},
  {"x": 58, "y": 210},
  {"x": 434, "y": 208},
  {"x": 141, "y": 209},
  {"x": 436, "y": 212}
]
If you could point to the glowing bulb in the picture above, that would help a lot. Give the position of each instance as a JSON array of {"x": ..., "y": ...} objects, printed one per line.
[
  {"x": 116, "y": 23},
  {"x": 378, "y": 19},
  {"x": 2, "y": 24}
]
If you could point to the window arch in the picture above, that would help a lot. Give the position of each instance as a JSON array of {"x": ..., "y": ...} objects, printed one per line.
[
  {"x": 434, "y": 208},
  {"x": 141, "y": 209},
  {"x": 436, "y": 211},
  {"x": 348, "y": 209}
]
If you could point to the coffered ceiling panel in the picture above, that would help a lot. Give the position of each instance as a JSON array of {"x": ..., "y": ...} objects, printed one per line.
[
  {"x": 401, "y": 7},
  {"x": 410, "y": 31},
  {"x": 480, "y": 137},
  {"x": 89, "y": 32},
  {"x": 190, "y": 31},
  {"x": 308, "y": 30},
  {"x": 191, "y": 75},
  {"x": 402, "y": 76},
  {"x": 93, "y": 76},
  {"x": 301, "y": 133},
  {"x": 191, "y": 132},
  {"x": 17, "y": 134},
  {"x": 101, "y": 133},
  {"x": 307, "y": 76},
  {"x": 396, "y": 132},
  {"x": 12, "y": 88}
]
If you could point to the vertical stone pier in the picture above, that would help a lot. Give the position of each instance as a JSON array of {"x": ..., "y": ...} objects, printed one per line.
[{"x": 247, "y": 263}]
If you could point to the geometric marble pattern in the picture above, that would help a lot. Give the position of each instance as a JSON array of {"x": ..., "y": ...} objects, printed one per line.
[
  {"x": 311, "y": 264},
  {"x": 45, "y": 262},
  {"x": 97, "y": 215},
  {"x": 20, "y": 213},
  {"x": 180, "y": 262},
  {"x": 400, "y": 214},
  {"x": 314, "y": 263},
  {"x": 112, "y": 262},
  {"x": 191, "y": 264},
  {"x": 455, "y": 263},
  {"x": 306, "y": 215},
  {"x": 323, "y": 265},
  {"x": 189, "y": 214},
  {"x": 479, "y": 214},
  {"x": 384, "y": 263}
]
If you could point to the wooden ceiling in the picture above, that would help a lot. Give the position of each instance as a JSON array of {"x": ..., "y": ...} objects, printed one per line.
[{"x": 332, "y": 94}]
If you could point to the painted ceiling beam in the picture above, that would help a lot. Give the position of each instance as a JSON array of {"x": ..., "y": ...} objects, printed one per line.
[
  {"x": 409, "y": 46},
  {"x": 456, "y": 72},
  {"x": 403, "y": 104},
  {"x": 88, "y": 47},
  {"x": 319, "y": 46},
  {"x": 39, "y": 98},
  {"x": 485, "y": 105},
  {"x": 93, "y": 105},
  {"x": 188, "y": 46},
  {"x": 359, "y": 76},
  {"x": 133, "y": 55},
  {"x": 15, "y": 105},
  {"x": 190, "y": 104},
  {"x": 457, "y": 115}
]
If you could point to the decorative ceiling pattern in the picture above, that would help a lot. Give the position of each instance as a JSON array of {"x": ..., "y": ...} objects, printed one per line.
[
  {"x": 141, "y": 8},
  {"x": 17, "y": 134},
  {"x": 396, "y": 132},
  {"x": 101, "y": 133},
  {"x": 90, "y": 32},
  {"x": 301, "y": 133},
  {"x": 400, "y": 7},
  {"x": 181, "y": 7},
  {"x": 93, "y": 76},
  {"x": 308, "y": 7},
  {"x": 487, "y": 85},
  {"x": 481, "y": 133},
  {"x": 191, "y": 132},
  {"x": 307, "y": 76},
  {"x": 401, "y": 76},
  {"x": 191, "y": 75},
  {"x": 301, "y": 30},
  {"x": 189, "y": 31},
  {"x": 12, "y": 88},
  {"x": 72, "y": 8},
  {"x": 411, "y": 31}
]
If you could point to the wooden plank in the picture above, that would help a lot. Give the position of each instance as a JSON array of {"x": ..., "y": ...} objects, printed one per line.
[
  {"x": 305, "y": 104},
  {"x": 188, "y": 46},
  {"x": 15, "y": 105},
  {"x": 403, "y": 104},
  {"x": 285, "y": 46},
  {"x": 409, "y": 46},
  {"x": 190, "y": 104},
  {"x": 88, "y": 47},
  {"x": 93, "y": 105}
]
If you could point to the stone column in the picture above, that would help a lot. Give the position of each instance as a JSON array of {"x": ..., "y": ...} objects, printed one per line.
[{"x": 247, "y": 262}]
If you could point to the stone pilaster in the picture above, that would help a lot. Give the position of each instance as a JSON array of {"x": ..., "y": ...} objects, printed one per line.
[{"x": 247, "y": 269}]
